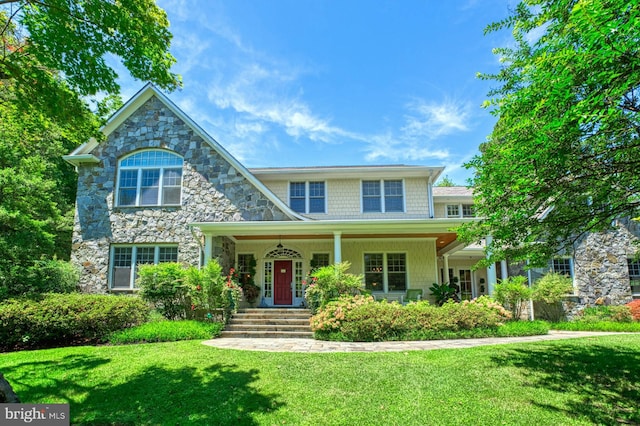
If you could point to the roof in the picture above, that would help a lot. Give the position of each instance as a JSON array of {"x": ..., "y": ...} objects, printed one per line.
[
  {"x": 399, "y": 170},
  {"x": 452, "y": 191}
]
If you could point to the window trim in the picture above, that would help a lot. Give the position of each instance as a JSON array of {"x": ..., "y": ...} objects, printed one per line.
[
  {"x": 460, "y": 207},
  {"x": 385, "y": 271},
  {"x": 139, "y": 171},
  {"x": 307, "y": 196},
  {"x": 383, "y": 196},
  {"x": 134, "y": 265}
]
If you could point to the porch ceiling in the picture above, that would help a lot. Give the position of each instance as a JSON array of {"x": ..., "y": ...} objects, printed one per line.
[{"x": 440, "y": 230}]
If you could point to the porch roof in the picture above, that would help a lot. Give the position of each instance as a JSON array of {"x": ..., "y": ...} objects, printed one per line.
[{"x": 439, "y": 230}]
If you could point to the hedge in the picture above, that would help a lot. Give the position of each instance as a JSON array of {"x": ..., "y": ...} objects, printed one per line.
[{"x": 65, "y": 319}]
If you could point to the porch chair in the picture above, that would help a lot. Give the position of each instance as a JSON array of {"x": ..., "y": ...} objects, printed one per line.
[{"x": 412, "y": 295}]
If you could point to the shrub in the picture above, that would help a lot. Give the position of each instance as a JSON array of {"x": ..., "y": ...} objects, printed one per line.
[
  {"x": 205, "y": 289},
  {"x": 167, "y": 331},
  {"x": 548, "y": 292},
  {"x": 443, "y": 293},
  {"x": 634, "y": 307},
  {"x": 329, "y": 283},
  {"x": 164, "y": 286},
  {"x": 512, "y": 292},
  {"x": 59, "y": 320},
  {"x": 360, "y": 318},
  {"x": 615, "y": 313},
  {"x": 44, "y": 276}
]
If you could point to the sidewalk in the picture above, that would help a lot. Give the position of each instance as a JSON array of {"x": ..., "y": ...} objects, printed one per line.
[{"x": 310, "y": 345}]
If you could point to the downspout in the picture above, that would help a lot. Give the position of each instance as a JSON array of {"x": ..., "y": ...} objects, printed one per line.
[{"x": 430, "y": 196}]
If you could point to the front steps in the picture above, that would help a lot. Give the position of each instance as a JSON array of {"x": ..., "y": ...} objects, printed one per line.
[{"x": 269, "y": 322}]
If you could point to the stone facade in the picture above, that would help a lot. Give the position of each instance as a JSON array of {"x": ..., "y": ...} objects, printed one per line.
[
  {"x": 601, "y": 272},
  {"x": 212, "y": 190}
]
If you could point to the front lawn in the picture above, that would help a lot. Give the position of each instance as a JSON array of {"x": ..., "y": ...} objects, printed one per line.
[{"x": 580, "y": 381}]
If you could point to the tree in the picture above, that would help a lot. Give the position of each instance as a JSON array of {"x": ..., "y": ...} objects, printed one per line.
[
  {"x": 446, "y": 181},
  {"x": 52, "y": 60},
  {"x": 564, "y": 156}
]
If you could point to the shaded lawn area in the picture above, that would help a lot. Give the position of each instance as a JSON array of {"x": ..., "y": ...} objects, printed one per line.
[{"x": 578, "y": 381}]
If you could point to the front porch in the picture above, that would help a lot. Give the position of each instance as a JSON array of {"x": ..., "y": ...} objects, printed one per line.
[{"x": 392, "y": 255}]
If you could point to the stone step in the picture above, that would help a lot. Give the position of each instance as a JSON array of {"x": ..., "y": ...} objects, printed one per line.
[
  {"x": 272, "y": 321},
  {"x": 269, "y": 322},
  {"x": 265, "y": 327},
  {"x": 268, "y": 334}
]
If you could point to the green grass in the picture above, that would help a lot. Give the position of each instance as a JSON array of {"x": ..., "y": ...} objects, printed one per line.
[
  {"x": 166, "y": 331},
  {"x": 633, "y": 327},
  {"x": 567, "y": 382}
]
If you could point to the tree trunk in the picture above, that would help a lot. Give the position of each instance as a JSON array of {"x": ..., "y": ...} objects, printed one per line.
[{"x": 7, "y": 395}]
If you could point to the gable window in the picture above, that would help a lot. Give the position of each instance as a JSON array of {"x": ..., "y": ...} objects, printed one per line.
[
  {"x": 125, "y": 260},
  {"x": 385, "y": 272},
  {"x": 307, "y": 197},
  {"x": 382, "y": 196},
  {"x": 461, "y": 210},
  {"x": 150, "y": 178}
]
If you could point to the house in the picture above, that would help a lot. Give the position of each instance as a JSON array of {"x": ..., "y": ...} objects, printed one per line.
[{"x": 160, "y": 189}]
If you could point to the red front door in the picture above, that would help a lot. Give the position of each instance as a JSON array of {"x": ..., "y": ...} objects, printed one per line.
[{"x": 282, "y": 282}]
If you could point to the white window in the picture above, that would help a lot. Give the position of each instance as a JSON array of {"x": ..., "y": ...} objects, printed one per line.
[
  {"x": 150, "y": 178},
  {"x": 125, "y": 259},
  {"x": 307, "y": 197},
  {"x": 460, "y": 210},
  {"x": 385, "y": 272},
  {"x": 634, "y": 276},
  {"x": 382, "y": 196},
  {"x": 563, "y": 266},
  {"x": 319, "y": 260}
]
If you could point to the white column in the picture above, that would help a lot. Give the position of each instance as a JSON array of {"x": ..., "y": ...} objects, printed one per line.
[
  {"x": 503, "y": 269},
  {"x": 492, "y": 278},
  {"x": 430, "y": 198},
  {"x": 337, "y": 247},
  {"x": 445, "y": 268},
  {"x": 208, "y": 247}
]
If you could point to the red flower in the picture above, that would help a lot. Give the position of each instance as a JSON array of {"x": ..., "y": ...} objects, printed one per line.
[
  {"x": 193, "y": 307},
  {"x": 199, "y": 287}
]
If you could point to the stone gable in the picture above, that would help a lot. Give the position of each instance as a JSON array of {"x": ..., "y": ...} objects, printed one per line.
[{"x": 212, "y": 191}]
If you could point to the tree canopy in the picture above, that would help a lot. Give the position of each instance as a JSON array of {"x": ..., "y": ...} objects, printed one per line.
[
  {"x": 53, "y": 58},
  {"x": 564, "y": 156}
]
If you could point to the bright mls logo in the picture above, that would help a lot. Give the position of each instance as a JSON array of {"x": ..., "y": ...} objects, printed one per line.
[{"x": 35, "y": 414}]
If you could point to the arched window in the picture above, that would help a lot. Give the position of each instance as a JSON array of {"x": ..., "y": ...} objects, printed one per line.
[{"x": 150, "y": 178}]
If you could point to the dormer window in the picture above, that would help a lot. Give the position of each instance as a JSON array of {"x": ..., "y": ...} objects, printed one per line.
[
  {"x": 307, "y": 197},
  {"x": 150, "y": 178},
  {"x": 461, "y": 210}
]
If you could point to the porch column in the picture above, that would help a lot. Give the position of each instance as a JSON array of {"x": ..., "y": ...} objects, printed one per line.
[
  {"x": 504, "y": 272},
  {"x": 208, "y": 247},
  {"x": 445, "y": 268},
  {"x": 491, "y": 271},
  {"x": 337, "y": 247}
]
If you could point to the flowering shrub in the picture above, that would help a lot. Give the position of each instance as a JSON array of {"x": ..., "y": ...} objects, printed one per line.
[
  {"x": 360, "y": 318},
  {"x": 634, "y": 306},
  {"x": 231, "y": 295},
  {"x": 178, "y": 292},
  {"x": 329, "y": 283},
  {"x": 205, "y": 289}
]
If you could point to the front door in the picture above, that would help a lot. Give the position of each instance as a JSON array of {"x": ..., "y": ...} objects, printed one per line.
[{"x": 282, "y": 282}]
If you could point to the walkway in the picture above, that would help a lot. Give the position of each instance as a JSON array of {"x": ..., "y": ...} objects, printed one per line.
[{"x": 310, "y": 345}]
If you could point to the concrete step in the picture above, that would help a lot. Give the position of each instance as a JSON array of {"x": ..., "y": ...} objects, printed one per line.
[
  {"x": 272, "y": 321},
  {"x": 266, "y": 327}
]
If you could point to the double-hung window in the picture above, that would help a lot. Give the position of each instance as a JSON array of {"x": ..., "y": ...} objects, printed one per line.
[
  {"x": 307, "y": 197},
  {"x": 385, "y": 272},
  {"x": 382, "y": 196},
  {"x": 461, "y": 210},
  {"x": 634, "y": 276},
  {"x": 150, "y": 178},
  {"x": 126, "y": 259}
]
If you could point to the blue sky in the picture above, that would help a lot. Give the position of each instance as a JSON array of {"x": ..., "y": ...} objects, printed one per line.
[{"x": 350, "y": 82}]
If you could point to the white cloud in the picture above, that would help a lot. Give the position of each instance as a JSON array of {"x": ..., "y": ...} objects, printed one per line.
[{"x": 432, "y": 120}]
